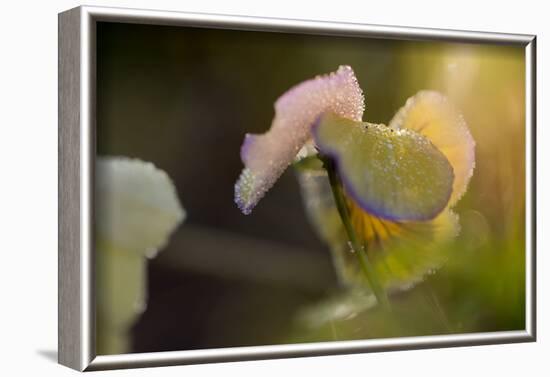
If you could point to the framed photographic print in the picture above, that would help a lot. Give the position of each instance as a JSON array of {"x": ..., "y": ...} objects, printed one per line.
[{"x": 236, "y": 188}]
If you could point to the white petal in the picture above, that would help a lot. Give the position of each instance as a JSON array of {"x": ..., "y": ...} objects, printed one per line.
[{"x": 137, "y": 207}]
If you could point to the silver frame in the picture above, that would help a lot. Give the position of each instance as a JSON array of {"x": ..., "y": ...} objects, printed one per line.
[{"x": 77, "y": 28}]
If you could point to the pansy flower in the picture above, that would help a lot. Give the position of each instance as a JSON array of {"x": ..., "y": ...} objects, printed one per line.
[{"x": 392, "y": 186}]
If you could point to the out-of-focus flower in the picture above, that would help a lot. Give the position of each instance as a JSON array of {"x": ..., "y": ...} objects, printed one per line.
[{"x": 137, "y": 209}]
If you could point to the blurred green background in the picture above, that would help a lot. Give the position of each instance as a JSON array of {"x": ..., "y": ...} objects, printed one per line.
[{"x": 183, "y": 98}]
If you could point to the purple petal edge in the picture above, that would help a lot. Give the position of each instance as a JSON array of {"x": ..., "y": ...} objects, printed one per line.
[{"x": 245, "y": 147}]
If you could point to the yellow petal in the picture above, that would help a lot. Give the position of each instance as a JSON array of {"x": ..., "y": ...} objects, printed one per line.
[
  {"x": 403, "y": 252},
  {"x": 382, "y": 234},
  {"x": 432, "y": 115}
]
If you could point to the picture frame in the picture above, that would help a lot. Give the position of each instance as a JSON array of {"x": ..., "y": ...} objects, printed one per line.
[{"x": 77, "y": 138}]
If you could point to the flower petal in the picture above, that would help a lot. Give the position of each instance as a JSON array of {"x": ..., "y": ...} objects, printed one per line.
[
  {"x": 401, "y": 253},
  {"x": 341, "y": 306},
  {"x": 401, "y": 262},
  {"x": 266, "y": 156},
  {"x": 137, "y": 205},
  {"x": 392, "y": 174},
  {"x": 432, "y": 115}
]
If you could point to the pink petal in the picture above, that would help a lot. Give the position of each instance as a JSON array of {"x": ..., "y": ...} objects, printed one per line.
[{"x": 266, "y": 156}]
